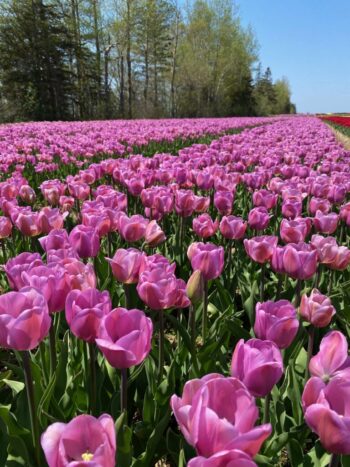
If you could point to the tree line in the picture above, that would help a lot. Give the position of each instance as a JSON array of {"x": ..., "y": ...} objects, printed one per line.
[{"x": 96, "y": 59}]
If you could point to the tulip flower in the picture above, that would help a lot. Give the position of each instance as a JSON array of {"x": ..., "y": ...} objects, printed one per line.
[
  {"x": 291, "y": 208},
  {"x": 258, "y": 364},
  {"x": 223, "y": 201},
  {"x": 319, "y": 204},
  {"x": 260, "y": 249},
  {"x": 132, "y": 229},
  {"x": 276, "y": 322},
  {"x": 57, "y": 239},
  {"x": 204, "y": 226},
  {"x": 154, "y": 235},
  {"x": 326, "y": 247},
  {"x": 126, "y": 265},
  {"x": 5, "y": 227},
  {"x": 326, "y": 411},
  {"x": 124, "y": 338},
  {"x": 218, "y": 414},
  {"x": 341, "y": 260},
  {"x": 231, "y": 458},
  {"x": 208, "y": 258},
  {"x": 185, "y": 202},
  {"x": 258, "y": 218},
  {"x": 317, "y": 309},
  {"x": 85, "y": 240},
  {"x": 24, "y": 319},
  {"x": 265, "y": 199},
  {"x": 233, "y": 228},
  {"x": 300, "y": 261},
  {"x": 19, "y": 264},
  {"x": 49, "y": 219},
  {"x": 293, "y": 231},
  {"x": 85, "y": 310},
  {"x": 326, "y": 223},
  {"x": 79, "y": 275},
  {"x": 27, "y": 194},
  {"x": 27, "y": 223},
  {"x": 85, "y": 440}
]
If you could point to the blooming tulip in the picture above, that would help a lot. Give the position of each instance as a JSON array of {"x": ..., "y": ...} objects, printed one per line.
[
  {"x": 260, "y": 249},
  {"x": 158, "y": 288},
  {"x": 85, "y": 310},
  {"x": 154, "y": 235},
  {"x": 233, "y": 228},
  {"x": 85, "y": 240},
  {"x": 133, "y": 228},
  {"x": 326, "y": 223},
  {"x": 126, "y": 265},
  {"x": 124, "y": 337},
  {"x": 20, "y": 263},
  {"x": 300, "y": 261},
  {"x": 317, "y": 309},
  {"x": 57, "y": 239},
  {"x": 208, "y": 258},
  {"x": 24, "y": 319},
  {"x": 204, "y": 226},
  {"x": 223, "y": 201},
  {"x": 85, "y": 440},
  {"x": 276, "y": 322},
  {"x": 218, "y": 414},
  {"x": 231, "y": 458},
  {"x": 258, "y": 218},
  {"x": 258, "y": 364},
  {"x": 293, "y": 231}
]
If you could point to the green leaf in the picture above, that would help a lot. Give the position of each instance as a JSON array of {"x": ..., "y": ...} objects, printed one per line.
[
  {"x": 16, "y": 386},
  {"x": 124, "y": 441}
]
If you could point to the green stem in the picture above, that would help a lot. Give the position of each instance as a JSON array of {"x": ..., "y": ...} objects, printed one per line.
[
  {"x": 4, "y": 256},
  {"x": 262, "y": 282},
  {"x": 297, "y": 293},
  {"x": 310, "y": 347},
  {"x": 192, "y": 325},
  {"x": 124, "y": 390},
  {"x": 334, "y": 462},
  {"x": 52, "y": 342},
  {"x": 267, "y": 408},
  {"x": 31, "y": 404},
  {"x": 43, "y": 361},
  {"x": 330, "y": 283},
  {"x": 279, "y": 286},
  {"x": 92, "y": 358},
  {"x": 205, "y": 312},
  {"x": 161, "y": 346}
]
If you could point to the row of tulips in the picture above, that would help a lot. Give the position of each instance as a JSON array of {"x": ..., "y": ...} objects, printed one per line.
[{"x": 108, "y": 316}]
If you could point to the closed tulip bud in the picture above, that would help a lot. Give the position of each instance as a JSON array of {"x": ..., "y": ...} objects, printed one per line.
[
  {"x": 126, "y": 265},
  {"x": 317, "y": 309},
  {"x": 218, "y": 414},
  {"x": 66, "y": 203},
  {"x": 154, "y": 235},
  {"x": 260, "y": 249},
  {"x": 85, "y": 240},
  {"x": 276, "y": 322},
  {"x": 24, "y": 319},
  {"x": 195, "y": 286},
  {"x": 208, "y": 258},
  {"x": 85, "y": 310},
  {"x": 85, "y": 440},
  {"x": 204, "y": 226},
  {"x": 258, "y": 364},
  {"x": 124, "y": 337}
]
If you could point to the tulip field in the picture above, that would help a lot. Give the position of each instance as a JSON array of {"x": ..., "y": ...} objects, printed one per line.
[{"x": 174, "y": 292}]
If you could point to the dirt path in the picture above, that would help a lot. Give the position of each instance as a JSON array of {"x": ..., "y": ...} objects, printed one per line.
[{"x": 344, "y": 140}]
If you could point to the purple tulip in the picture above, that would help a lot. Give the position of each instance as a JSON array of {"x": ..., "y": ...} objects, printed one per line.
[
  {"x": 317, "y": 309},
  {"x": 208, "y": 258}
]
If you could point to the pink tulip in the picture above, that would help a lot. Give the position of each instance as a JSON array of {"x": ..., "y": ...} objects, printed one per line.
[
  {"x": 332, "y": 359},
  {"x": 132, "y": 229},
  {"x": 319, "y": 204},
  {"x": 265, "y": 199},
  {"x": 83, "y": 441},
  {"x": 126, "y": 265},
  {"x": 326, "y": 247},
  {"x": 326, "y": 223},
  {"x": 99, "y": 220},
  {"x": 276, "y": 260},
  {"x": 344, "y": 213},
  {"x": 50, "y": 219},
  {"x": 258, "y": 218},
  {"x": 201, "y": 203},
  {"x": 204, "y": 226},
  {"x": 80, "y": 191},
  {"x": 5, "y": 227},
  {"x": 66, "y": 203},
  {"x": 124, "y": 337},
  {"x": 85, "y": 240},
  {"x": 52, "y": 190},
  {"x": 19, "y": 264},
  {"x": 258, "y": 364},
  {"x": 233, "y": 228},
  {"x": 341, "y": 260},
  {"x": 293, "y": 231},
  {"x": 260, "y": 249},
  {"x": 218, "y": 414},
  {"x": 57, "y": 239},
  {"x": 27, "y": 223},
  {"x": 154, "y": 235},
  {"x": 317, "y": 309},
  {"x": 327, "y": 409},
  {"x": 291, "y": 208},
  {"x": 24, "y": 319},
  {"x": 185, "y": 202},
  {"x": 158, "y": 288},
  {"x": 204, "y": 180},
  {"x": 79, "y": 275},
  {"x": 85, "y": 310},
  {"x": 300, "y": 261},
  {"x": 276, "y": 322},
  {"x": 336, "y": 193},
  {"x": 60, "y": 255},
  {"x": 51, "y": 280},
  {"x": 27, "y": 194},
  {"x": 208, "y": 258},
  {"x": 223, "y": 201},
  {"x": 231, "y": 458},
  {"x": 148, "y": 263}
]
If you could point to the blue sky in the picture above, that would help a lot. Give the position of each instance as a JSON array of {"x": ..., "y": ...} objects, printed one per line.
[{"x": 308, "y": 41}]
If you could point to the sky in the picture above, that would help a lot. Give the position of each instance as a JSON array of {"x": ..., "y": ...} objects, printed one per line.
[{"x": 307, "y": 41}]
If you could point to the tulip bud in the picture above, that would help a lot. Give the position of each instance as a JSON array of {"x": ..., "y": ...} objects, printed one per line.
[{"x": 195, "y": 286}]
